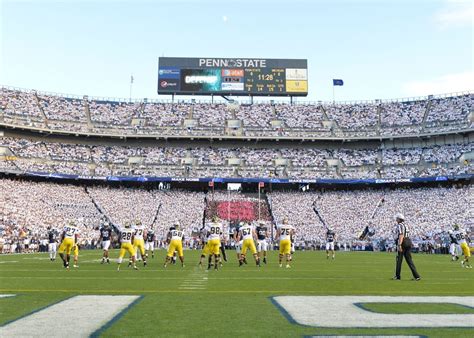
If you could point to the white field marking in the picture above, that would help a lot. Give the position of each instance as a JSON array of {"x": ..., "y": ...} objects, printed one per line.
[
  {"x": 341, "y": 311},
  {"x": 197, "y": 280},
  {"x": 6, "y": 262},
  {"x": 366, "y": 336},
  {"x": 6, "y": 296},
  {"x": 89, "y": 314},
  {"x": 91, "y": 261}
]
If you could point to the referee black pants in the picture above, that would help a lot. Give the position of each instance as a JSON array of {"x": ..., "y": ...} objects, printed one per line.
[{"x": 406, "y": 247}]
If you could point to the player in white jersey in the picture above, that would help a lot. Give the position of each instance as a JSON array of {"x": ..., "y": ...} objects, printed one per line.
[
  {"x": 284, "y": 233},
  {"x": 139, "y": 242},
  {"x": 214, "y": 241},
  {"x": 126, "y": 238},
  {"x": 176, "y": 237},
  {"x": 460, "y": 236},
  {"x": 247, "y": 234},
  {"x": 68, "y": 240}
]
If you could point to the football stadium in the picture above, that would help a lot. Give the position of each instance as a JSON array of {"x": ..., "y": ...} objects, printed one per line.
[{"x": 240, "y": 169}]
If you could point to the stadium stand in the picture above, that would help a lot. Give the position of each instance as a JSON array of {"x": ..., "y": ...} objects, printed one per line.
[
  {"x": 30, "y": 207},
  {"x": 386, "y": 144},
  {"x": 218, "y": 161},
  {"x": 346, "y": 120}
]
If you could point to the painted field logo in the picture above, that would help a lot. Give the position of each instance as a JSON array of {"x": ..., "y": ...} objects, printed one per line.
[
  {"x": 345, "y": 312},
  {"x": 92, "y": 314}
]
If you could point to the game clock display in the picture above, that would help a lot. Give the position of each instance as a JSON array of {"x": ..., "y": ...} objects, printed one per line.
[{"x": 269, "y": 77}]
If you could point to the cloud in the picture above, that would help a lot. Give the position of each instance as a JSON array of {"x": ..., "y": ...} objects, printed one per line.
[
  {"x": 455, "y": 13},
  {"x": 450, "y": 83}
]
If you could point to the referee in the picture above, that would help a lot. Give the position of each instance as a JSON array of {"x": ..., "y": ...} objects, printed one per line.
[{"x": 404, "y": 247}]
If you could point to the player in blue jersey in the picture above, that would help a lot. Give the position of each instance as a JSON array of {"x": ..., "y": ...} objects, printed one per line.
[{"x": 105, "y": 236}]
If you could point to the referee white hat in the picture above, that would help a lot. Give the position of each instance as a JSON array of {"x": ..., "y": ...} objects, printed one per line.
[{"x": 400, "y": 216}]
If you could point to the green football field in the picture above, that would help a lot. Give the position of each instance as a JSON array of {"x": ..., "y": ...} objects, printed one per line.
[{"x": 234, "y": 301}]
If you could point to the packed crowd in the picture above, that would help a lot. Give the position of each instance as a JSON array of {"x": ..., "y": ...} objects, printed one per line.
[
  {"x": 200, "y": 161},
  {"x": 302, "y": 119},
  {"x": 428, "y": 211},
  {"x": 29, "y": 208}
]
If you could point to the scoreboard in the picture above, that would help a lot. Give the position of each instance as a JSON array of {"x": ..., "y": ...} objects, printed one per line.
[{"x": 221, "y": 76}]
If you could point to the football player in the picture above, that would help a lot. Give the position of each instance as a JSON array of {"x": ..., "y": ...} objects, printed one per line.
[
  {"x": 214, "y": 241},
  {"x": 330, "y": 239},
  {"x": 176, "y": 237},
  {"x": 204, "y": 234},
  {"x": 461, "y": 238},
  {"x": 247, "y": 234},
  {"x": 138, "y": 242},
  {"x": 150, "y": 243},
  {"x": 105, "y": 235},
  {"x": 68, "y": 239},
  {"x": 126, "y": 238},
  {"x": 453, "y": 246},
  {"x": 262, "y": 246},
  {"x": 75, "y": 250},
  {"x": 284, "y": 232},
  {"x": 238, "y": 242},
  {"x": 52, "y": 234}
]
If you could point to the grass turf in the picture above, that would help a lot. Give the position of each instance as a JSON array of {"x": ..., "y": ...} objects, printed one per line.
[{"x": 232, "y": 301}]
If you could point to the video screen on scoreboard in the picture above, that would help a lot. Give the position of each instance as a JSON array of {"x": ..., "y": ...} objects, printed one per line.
[{"x": 206, "y": 76}]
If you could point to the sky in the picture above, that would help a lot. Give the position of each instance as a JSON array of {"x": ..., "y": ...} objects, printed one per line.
[{"x": 381, "y": 49}]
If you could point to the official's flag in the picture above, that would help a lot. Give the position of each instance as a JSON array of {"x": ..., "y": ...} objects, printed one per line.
[
  {"x": 131, "y": 78},
  {"x": 337, "y": 82}
]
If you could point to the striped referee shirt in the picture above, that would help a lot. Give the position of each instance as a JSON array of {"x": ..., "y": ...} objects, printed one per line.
[{"x": 401, "y": 229}]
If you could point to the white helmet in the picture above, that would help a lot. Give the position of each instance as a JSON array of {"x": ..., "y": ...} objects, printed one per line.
[{"x": 400, "y": 216}]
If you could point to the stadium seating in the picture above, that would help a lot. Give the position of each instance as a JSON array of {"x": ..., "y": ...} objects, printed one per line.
[
  {"x": 30, "y": 207},
  {"x": 198, "y": 161},
  {"x": 431, "y": 115}
]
